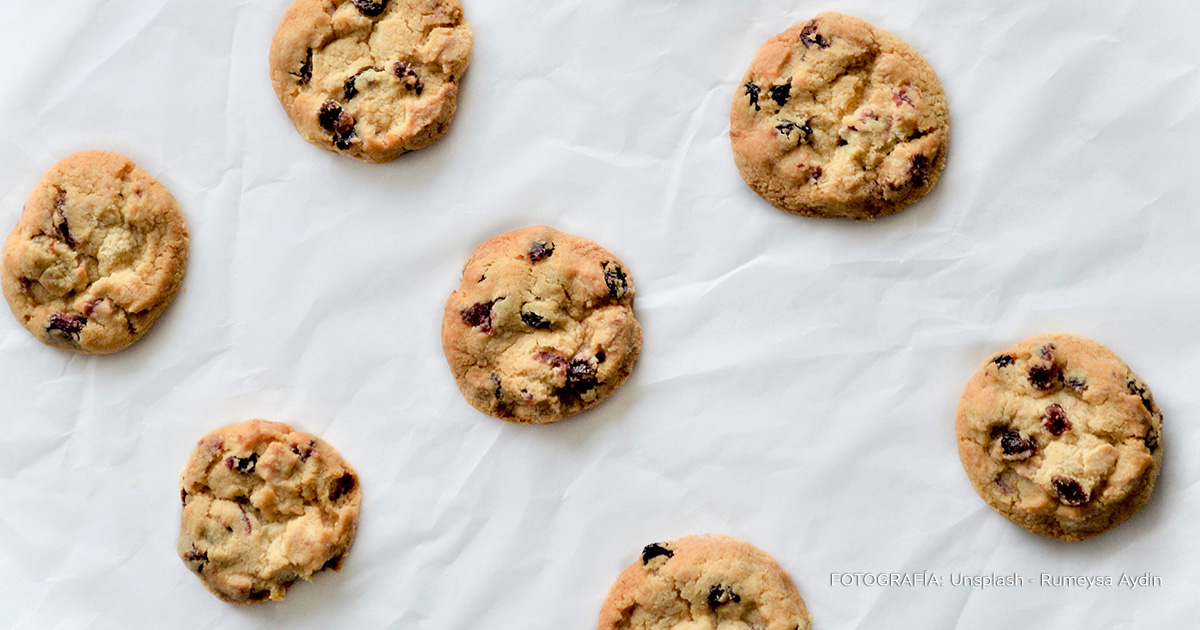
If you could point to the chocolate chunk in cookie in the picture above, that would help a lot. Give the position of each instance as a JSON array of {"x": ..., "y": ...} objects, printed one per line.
[
  {"x": 97, "y": 255},
  {"x": 703, "y": 582},
  {"x": 875, "y": 131},
  {"x": 542, "y": 327},
  {"x": 263, "y": 506},
  {"x": 370, "y": 79},
  {"x": 1059, "y": 436}
]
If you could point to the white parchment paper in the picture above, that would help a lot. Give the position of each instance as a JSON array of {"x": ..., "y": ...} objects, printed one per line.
[{"x": 799, "y": 378}]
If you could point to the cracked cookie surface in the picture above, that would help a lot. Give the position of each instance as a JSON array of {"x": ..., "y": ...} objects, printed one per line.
[
  {"x": 708, "y": 582},
  {"x": 97, "y": 255},
  {"x": 1060, "y": 436},
  {"x": 263, "y": 506},
  {"x": 371, "y": 80},
  {"x": 839, "y": 118},
  {"x": 542, "y": 326}
]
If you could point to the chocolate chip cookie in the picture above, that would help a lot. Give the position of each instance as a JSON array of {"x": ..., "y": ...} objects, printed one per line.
[
  {"x": 704, "y": 582},
  {"x": 1060, "y": 436},
  {"x": 263, "y": 506},
  {"x": 371, "y": 79},
  {"x": 97, "y": 255},
  {"x": 542, "y": 327},
  {"x": 839, "y": 118}
]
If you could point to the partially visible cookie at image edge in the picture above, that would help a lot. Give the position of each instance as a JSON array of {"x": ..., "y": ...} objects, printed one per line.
[
  {"x": 839, "y": 118},
  {"x": 542, "y": 326},
  {"x": 371, "y": 79},
  {"x": 1060, "y": 436},
  {"x": 98, "y": 253},
  {"x": 710, "y": 581},
  {"x": 263, "y": 506}
]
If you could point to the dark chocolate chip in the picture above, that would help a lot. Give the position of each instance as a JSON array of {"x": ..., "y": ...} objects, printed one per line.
[
  {"x": 618, "y": 283},
  {"x": 1002, "y": 360},
  {"x": 787, "y": 127},
  {"x": 1016, "y": 447},
  {"x": 780, "y": 93},
  {"x": 479, "y": 315},
  {"x": 1041, "y": 377},
  {"x": 1069, "y": 491},
  {"x": 370, "y": 8},
  {"x": 340, "y": 122},
  {"x": 244, "y": 465},
  {"x": 329, "y": 114},
  {"x": 753, "y": 91},
  {"x": 258, "y": 596},
  {"x": 810, "y": 37},
  {"x": 540, "y": 250},
  {"x": 343, "y": 141},
  {"x": 67, "y": 324},
  {"x": 60, "y": 218},
  {"x": 534, "y": 320},
  {"x": 197, "y": 557},
  {"x": 408, "y": 77},
  {"x": 342, "y": 486},
  {"x": 654, "y": 550},
  {"x": 303, "y": 455},
  {"x": 720, "y": 595},
  {"x": 1055, "y": 420},
  {"x": 581, "y": 376},
  {"x": 920, "y": 169},
  {"x": 1138, "y": 389},
  {"x": 305, "y": 74}
]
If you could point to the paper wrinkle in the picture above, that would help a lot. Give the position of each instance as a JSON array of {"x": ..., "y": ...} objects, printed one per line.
[{"x": 799, "y": 377}]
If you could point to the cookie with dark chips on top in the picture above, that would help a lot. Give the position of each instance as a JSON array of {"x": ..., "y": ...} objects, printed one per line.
[
  {"x": 542, "y": 327},
  {"x": 1060, "y": 436},
  {"x": 838, "y": 118},
  {"x": 263, "y": 506},
  {"x": 708, "y": 581},
  {"x": 371, "y": 79},
  {"x": 98, "y": 254}
]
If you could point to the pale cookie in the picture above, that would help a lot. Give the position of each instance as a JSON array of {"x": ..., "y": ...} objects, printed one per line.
[
  {"x": 838, "y": 118},
  {"x": 371, "y": 79},
  {"x": 704, "y": 583},
  {"x": 97, "y": 255},
  {"x": 263, "y": 506},
  {"x": 1060, "y": 436},
  {"x": 542, "y": 327}
]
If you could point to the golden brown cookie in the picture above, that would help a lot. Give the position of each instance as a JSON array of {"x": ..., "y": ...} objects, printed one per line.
[
  {"x": 1060, "y": 436},
  {"x": 263, "y": 506},
  {"x": 97, "y": 255},
  {"x": 542, "y": 327},
  {"x": 704, "y": 582},
  {"x": 371, "y": 79},
  {"x": 839, "y": 118}
]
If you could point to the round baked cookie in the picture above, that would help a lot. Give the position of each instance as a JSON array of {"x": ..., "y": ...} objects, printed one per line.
[
  {"x": 97, "y": 255},
  {"x": 371, "y": 79},
  {"x": 263, "y": 506},
  {"x": 704, "y": 582},
  {"x": 542, "y": 327},
  {"x": 1060, "y": 436},
  {"x": 839, "y": 118}
]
